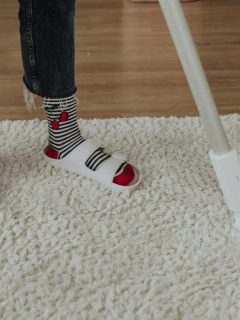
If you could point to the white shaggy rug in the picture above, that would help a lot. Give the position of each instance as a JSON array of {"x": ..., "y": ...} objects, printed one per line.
[{"x": 71, "y": 249}]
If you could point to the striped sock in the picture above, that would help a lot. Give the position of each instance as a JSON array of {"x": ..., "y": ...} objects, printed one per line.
[
  {"x": 64, "y": 132},
  {"x": 65, "y": 135}
]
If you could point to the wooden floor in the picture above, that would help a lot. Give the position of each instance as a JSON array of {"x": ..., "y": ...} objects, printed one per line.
[{"x": 126, "y": 64}]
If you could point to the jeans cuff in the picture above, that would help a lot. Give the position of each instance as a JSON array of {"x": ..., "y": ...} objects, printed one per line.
[{"x": 30, "y": 94}]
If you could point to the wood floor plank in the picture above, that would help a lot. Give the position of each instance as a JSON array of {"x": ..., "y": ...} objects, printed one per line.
[{"x": 126, "y": 64}]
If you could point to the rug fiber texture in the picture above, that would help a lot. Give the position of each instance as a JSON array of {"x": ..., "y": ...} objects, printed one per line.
[{"x": 71, "y": 249}]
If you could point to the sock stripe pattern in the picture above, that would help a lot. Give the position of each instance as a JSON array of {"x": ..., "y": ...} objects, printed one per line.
[{"x": 64, "y": 132}]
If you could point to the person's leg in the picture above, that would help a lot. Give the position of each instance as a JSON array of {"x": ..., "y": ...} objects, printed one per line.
[{"x": 47, "y": 43}]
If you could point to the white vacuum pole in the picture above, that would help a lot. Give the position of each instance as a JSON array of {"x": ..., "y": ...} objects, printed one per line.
[{"x": 226, "y": 161}]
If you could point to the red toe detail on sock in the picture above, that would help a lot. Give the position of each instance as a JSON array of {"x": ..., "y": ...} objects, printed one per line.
[
  {"x": 52, "y": 153},
  {"x": 125, "y": 177}
]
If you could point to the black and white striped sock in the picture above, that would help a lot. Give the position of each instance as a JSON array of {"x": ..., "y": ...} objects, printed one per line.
[
  {"x": 64, "y": 132},
  {"x": 63, "y": 129}
]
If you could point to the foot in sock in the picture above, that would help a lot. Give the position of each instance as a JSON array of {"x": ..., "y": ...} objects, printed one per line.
[{"x": 65, "y": 136}]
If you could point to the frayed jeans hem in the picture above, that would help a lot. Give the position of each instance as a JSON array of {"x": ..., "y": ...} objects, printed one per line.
[{"x": 30, "y": 94}]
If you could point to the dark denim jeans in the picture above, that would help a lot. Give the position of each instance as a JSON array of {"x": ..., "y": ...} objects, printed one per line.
[{"x": 47, "y": 43}]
